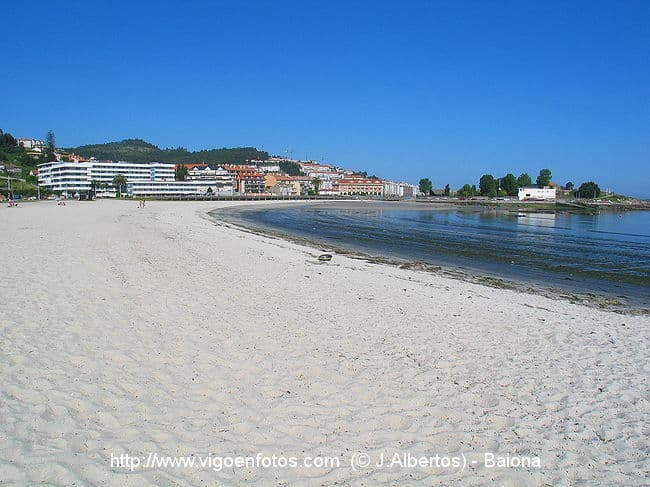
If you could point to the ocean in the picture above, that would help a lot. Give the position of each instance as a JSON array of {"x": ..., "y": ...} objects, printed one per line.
[{"x": 604, "y": 254}]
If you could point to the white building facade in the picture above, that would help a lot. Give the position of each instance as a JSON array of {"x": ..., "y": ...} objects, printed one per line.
[
  {"x": 78, "y": 176},
  {"x": 143, "y": 179},
  {"x": 545, "y": 194},
  {"x": 192, "y": 187}
]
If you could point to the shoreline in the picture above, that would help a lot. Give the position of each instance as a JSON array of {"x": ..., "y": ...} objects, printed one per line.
[
  {"x": 131, "y": 331},
  {"x": 589, "y": 299}
]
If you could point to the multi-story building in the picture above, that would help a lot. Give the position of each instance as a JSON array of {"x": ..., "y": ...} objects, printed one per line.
[
  {"x": 246, "y": 179},
  {"x": 79, "y": 176},
  {"x": 192, "y": 187},
  {"x": 143, "y": 179},
  {"x": 358, "y": 186},
  {"x": 189, "y": 166},
  {"x": 304, "y": 182},
  {"x": 282, "y": 185},
  {"x": 407, "y": 190},
  {"x": 250, "y": 183},
  {"x": 268, "y": 168},
  {"x": 31, "y": 144},
  {"x": 390, "y": 188},
  {"x": 204, "y": 172},
  {"x": 235, "y": 168}
]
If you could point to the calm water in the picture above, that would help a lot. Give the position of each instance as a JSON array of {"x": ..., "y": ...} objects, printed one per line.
[{"x": 607, "y": 253}]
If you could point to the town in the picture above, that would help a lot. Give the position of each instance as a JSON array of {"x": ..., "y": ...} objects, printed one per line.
[
  {"x": 67, "y": 174},
  {"x": 36, "y": 169}
]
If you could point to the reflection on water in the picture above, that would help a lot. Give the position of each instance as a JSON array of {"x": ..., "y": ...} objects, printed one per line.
[
  {"x": 536, "y": 219},
  {"x": 600, "y": 253}
]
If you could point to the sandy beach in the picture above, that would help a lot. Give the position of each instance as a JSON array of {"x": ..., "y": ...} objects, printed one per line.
[{"x": 129, "y": 331}]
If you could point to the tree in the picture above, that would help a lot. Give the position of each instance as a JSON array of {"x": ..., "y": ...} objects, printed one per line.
[
  {"x": 94, "y": 184},
  {"x": 425, "y": 186},
  {"x": 588, "y": 190},
  {"x": 488, "y": 185},
  {"x": 466, "y": 191},
  {"x": 509, "y": 184},
  {"x": 290, "y": 168},
  {"x": 316, "y": 183},
  {"x": 119, "y": 181},
  {"x": 544, "y": 178},
  {"x": 447, "y": 190},
  {"x": 7, "y": 140},
  {"x": 524, "y": 180},
  {"x": 569, "y": 186},
  {"x": 209, "y": 191},
  {"x": 180, "y": 173},
  {"x": 50, "y": 146}
]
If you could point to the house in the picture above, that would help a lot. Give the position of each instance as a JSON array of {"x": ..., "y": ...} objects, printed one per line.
[
  {"x": 537, "y": 194},
  {"x": 282, "y": 185},
  {"x": 31, "y": 144}
]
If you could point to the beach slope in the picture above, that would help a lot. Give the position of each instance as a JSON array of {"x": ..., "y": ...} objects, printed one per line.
[{"x": 156, "y": 330}]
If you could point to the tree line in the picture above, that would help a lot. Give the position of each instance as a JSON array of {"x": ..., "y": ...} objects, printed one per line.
[
  {"x": 138, "y": 150},
  {"x": 509, "y": 185}
]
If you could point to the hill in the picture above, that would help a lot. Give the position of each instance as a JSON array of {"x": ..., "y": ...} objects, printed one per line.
[{"x": 137, "y": 150}]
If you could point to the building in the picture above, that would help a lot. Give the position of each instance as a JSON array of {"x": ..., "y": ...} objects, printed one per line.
[
  {"x": 198, "y": 187},
  {"x": 268, "y": 168},
  {"x": 233, "y": 169},
  {"x": 72, "y": 157},
  {"x": 31, "y": 144},
  {"x": 246, "y": 179},
  {"x": 12, "y": 168},
  {"x": 282, "y": 185},
  {"x": 203, "y": 172},
  {"x": 537, "y": 194},
  {"x": 189, "y": 166},
  {"x": 250, "y": 183},
  {"x": 304, "y": 182},
  {"x": 326, "y": 176},
  {"x": 79, "y": 176},
  {"x": 390, "y": 188},
  {"x": 407, "y": 190},
  {"x": 358, "y": 186},
  {"x": 143, "y": 179}
]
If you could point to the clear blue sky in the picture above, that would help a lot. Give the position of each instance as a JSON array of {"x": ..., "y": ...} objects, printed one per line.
[{"x": 445, "y": 90}]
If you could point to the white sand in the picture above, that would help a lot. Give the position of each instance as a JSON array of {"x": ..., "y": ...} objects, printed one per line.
[{"x": 155, "y": 330}]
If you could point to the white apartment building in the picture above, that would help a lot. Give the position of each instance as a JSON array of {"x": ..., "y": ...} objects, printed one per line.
[
  {"x": 268, "y": 168},
  {"x": 390, "y": 188},
  {"x": 32, "y": 144},
  {"x": 326, "y": 178},
  {"x": 78, "y": 176},
  {"x": 206, "y": 173},
  {"x": 192, "y": 187},
  {"x": 407, "y": 190}
]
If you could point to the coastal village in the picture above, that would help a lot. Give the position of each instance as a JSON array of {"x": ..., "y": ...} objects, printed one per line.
[{"x": 45, "y": 171}]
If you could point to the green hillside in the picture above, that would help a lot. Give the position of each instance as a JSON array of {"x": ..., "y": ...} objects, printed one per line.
[{"x": 136, "y": 150}]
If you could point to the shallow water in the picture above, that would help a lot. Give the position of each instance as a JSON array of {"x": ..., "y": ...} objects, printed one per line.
[{"x": 607, "y": 253}]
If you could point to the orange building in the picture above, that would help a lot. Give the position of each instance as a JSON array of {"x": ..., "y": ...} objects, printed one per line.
[{"x": 358, "y": 186}]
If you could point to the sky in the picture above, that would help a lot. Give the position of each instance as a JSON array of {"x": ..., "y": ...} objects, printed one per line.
[{"x": 447, "y": 90}]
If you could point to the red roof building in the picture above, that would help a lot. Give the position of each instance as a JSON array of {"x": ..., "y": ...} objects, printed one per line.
[{"x": 358, "y": 186}]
